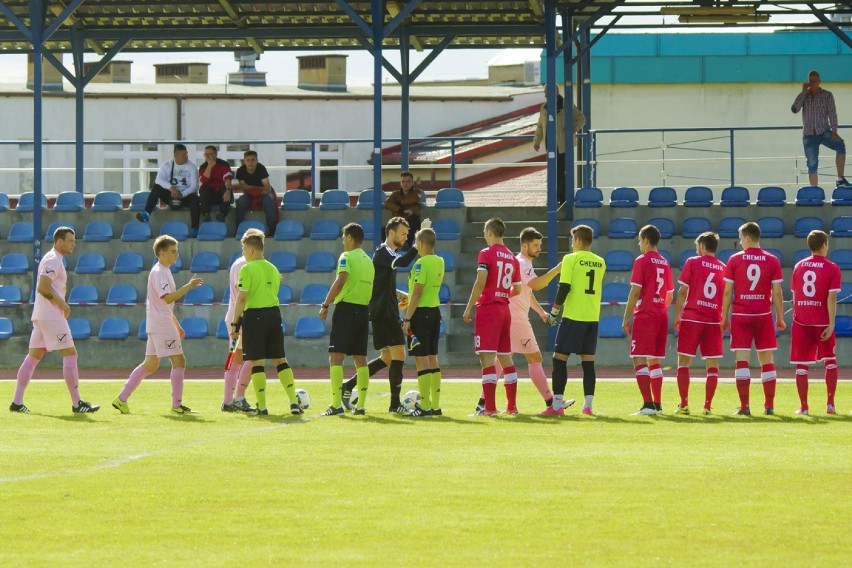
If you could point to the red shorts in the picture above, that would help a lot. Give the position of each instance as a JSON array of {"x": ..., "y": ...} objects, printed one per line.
[
  {"x": 707, "y": 336},
  {"x": 649, "y": 335},
  {"x": 759, "y": 329},
  {"x": 806, "y": 347},
  {"x": 492, "y": 326}
]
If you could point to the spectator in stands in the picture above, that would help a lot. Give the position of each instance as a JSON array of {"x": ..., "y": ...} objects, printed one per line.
[
  {"x": 177, "y": 185},
  {"x": 541, "y": 132},
  {"x": 819, "y": 121},
  {"x": 253, "y": 180},
  {"x": 215, "y": 176},
  {"x": 405, "y": 203}
]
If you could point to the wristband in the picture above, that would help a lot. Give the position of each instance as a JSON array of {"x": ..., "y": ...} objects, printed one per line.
[{"x": 554, "y": 312}]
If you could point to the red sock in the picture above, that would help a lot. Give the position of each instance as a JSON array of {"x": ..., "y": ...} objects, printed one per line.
[
  {"x": 802, "y": 384},
  {"x": 644, "y": 382},
  {"x": 831, "y": 379},
  {"x": 743, "y": 376},
  {"x": 656, "y": 374},
  {"x": 767, "y": 376},
  {"x": 510, "y": 381},
  {"x": 683, "y": 385},
  {"x": 489, "y": 388},
  {"x": 710, "y": 387}
]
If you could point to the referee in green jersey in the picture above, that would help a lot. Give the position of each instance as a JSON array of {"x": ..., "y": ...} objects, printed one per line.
[
  {"x": 580, "y": 286},
  {"x": 257, "y": 315},
  {"x": 423, "y": 318},
  {"x": 350, "y": 324}
]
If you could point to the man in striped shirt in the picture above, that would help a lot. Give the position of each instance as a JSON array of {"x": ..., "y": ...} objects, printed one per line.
[{"x": 819, "y": 121}]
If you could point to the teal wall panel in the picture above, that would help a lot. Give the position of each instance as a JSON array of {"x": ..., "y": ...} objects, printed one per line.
[
  {"x": 832, "y": 68},
  {"x": 702, "y": 44},
  {"x": 791, "y": 43},
  {"x": 754, "y": 69},
  {"x": 656, "y": 69}
]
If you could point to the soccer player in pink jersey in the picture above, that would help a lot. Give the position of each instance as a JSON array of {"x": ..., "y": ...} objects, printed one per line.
[
  {"x": 497, "y": 279},
  {"x": 164, "y": 330},
  {"x": 754, "y": 277},
  {"x": 698, "y": 318},
  {"x": 650, "y": 295},
  {"x": 50, "y": 325},
  {"x": 815, "y": 284}
]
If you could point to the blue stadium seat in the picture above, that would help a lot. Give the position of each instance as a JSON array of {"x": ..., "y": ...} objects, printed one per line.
[
  {"x": 694, "y": 226},
  {"x": 449, "y": 260},
  {"x": 138, "y": 200},
  {"x": 810, "y": 196},
  {"x": 666, "y": 255},
  {"x": 289, "y": 230},
  {"x": 624, "y": 197},
  {"x": 725, "y": 255},
  {"x": 212, "y": 231},
  {"x": 14, "y": 263},
  {"x": 444, "y": 294},
  {"x": 449, "y": 198},
  {"x": 222, "y": 330},
  {"x": 309, "y": 327},
  {"x": 845, "y": 294},
  {"x": 285, "y": 295},
  {"x": 234, "y": 258},
  {"x": 771, "y": 197},
  {"x": 10, "y": 295},
  {"x": 83, "y": 295},
  {"x": 122, "y": 295},
  {"x": 195, "y": 328},
  {"x": 771, "y": 227},
  {"x": 684, "y": 256},
  {"x": 128, "y": 263},
  {"x": 320, "y": 261},
  {"x": 805, "y": 225},
  {"x": 98, "y": 232},
  {"x": 48, "y": 234},
  {"x": 842, "y": 196},
  {"x": 594, "y": 224},
  {"x": 729, "y": 227},
  {"x": 6, "y": 328},
  {"x": 80, "y": 328},
  {"x": 21, "y": 232},
  {"x": 26, "y": 202},
  {"x": 313, "y": 294},
  {"x": 777, "y": 254},
  {"x": 246, "y": 225},
  {"x": 325, "y": 230},
  {"x": 735, "y": 196},
  {"x": 114, "y": 328},
  {"x": 800, "y": 255},
  {"x": 142, "y": 332},
  {"x": 201, "y": 296},
  {"x": 334, "y": 199},
  {"x": 176, "y": 229},
  {"x": 662, "y": 197},
  {"x": 69, "y": 202},
  {"x": 587, "y": 197},
  {"x": 365, "y": 199},
  {"x": 840, "y": 227},
  {"x": 615, "y": 292},
  {"x": 622, "y": 228},
  {"x": 284, "y": 261},
  {"x": 610, "y": 326},
  {"x": 4, "y": 202},
  {"x": 90, "y": 263},
  {"x": 107, "y": 201},
  {"x": 618, "y": 261},
  {"x": 205, "y": 262},
  {"x": 698, "y": 196},
  {"x": 136, "y": 232},
  {"x": 367, "y": 225},
  {"x": 296, "y": 200},
  {"x": 843, "y": 326},
  {"x": 842, "y": 258},
  {"x": 665, "y": 225},
  {"x": 446, "y": 230}
]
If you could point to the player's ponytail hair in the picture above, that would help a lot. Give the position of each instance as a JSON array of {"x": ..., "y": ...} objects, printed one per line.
[
  {"x": 816, "y": 240},
  {"x": 496, "y": 227}
]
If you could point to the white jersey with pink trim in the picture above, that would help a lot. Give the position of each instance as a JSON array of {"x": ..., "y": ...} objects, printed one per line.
[
  {"x": 51, "y": 266},
  {"x": 159, "y": 314},
  {"x": 233, "y": 279},
  {"x": 520, "y": 304}
]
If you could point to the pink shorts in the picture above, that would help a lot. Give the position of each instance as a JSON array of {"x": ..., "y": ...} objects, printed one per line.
[
  {"x": 649, "y": 335},
  {"x": 163, "y": 345},
  {"x": 52, "y": 335},
  {"x": 758, "y": 329},
  {"x": 707, "y": 336},
  {"x": 523, "y": 337},
  {"x": 806, "y": 347},
  {"x": 492, "y": 329}
]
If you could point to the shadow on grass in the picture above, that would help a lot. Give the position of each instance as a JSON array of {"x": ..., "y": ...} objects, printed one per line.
[
  {"x": 86, "y": 418},
  {"x": 194, "y": 417}
]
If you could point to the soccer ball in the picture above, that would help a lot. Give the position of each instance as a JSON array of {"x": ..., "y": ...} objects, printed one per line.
[
  {"x": 304, "y": 398},
  {"x": 411, "y": 398}
]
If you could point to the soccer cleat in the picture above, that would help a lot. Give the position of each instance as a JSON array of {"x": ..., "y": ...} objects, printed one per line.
[
  {"x": 143, "y": 216},
  {"x": 347, "y": 395},
  {"x": 587, "y": 411},
  {"x": 359, "y": 412},
  {"x": 802, "y": 412},
  {"x": 182, "y": 410},
  {"x": 332, "y": 411},
  {"x": 841, "y": 182},
  {"x": 707, "y": 411},
  {"x": 437, "y": 412},
  {"x": 829, "y": 409},
  {"x": 646, "y": 411},
  {"x": 18, "y": 407},
  {"x": 658, "y": 407},
  {"x": 259, "y": 412},
  {"x": 512, "y": 411},
  {"x": 243, "y": 406},
  {"x": 121, "y": 406},
  {"x": 420, "y": 413},
  {"x": 399, "y": 409},
  {"x": 225, "y": 407},
  {"x": 84, "y": 407},
  {"x": 296, "y": 409},
  {"x": 769, "y": 411},
  {"x": 682, "y": 410},
  {"x": 483, "y": 412},
  {"x": 743, "y": 411},
  {"x": 550, "y": 412},
  {"x": 480, "y": 405}
]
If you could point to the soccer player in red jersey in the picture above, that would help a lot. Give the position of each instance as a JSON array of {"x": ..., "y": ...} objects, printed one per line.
[
  {"x": 498, "y": 278},
  {"x": 816, "y": 282},
  {"x": 754, "y": 276},
  {"x": 698, "y": 318},
  {"x": 650, "y": 295}
]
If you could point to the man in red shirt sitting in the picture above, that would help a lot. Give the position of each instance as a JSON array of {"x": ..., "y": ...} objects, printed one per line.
[{"x": 214, "y": 175}]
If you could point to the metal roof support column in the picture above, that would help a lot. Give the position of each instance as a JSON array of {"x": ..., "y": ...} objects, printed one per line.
[
  {"x": 550, "y": 141},
  {"x": 79, "y": 86},
  {"x": 844, "y": 37},
  {"x": 585, "y": 80},
  {"x": 404, "y": 62},
  {"x": 37, "y": 12},
  {"x": 377, "y": 35},
  {"x": 568, "y": 90}
]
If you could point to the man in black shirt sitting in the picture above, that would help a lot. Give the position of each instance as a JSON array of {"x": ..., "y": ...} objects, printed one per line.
[{"x": 253, "y": 179}]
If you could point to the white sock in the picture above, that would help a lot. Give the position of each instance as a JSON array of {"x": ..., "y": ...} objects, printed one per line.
[
  {"x": 557, "y": 402},
  {"x": 588, "y": 401}
]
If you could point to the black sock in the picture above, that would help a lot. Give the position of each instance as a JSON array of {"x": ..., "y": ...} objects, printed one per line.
[
  {"x": 373, "y": 367},
  {"x": 395, "y": 380},
  {"x": 560, "y": 376},
  {"x": 589, "y": 378}
]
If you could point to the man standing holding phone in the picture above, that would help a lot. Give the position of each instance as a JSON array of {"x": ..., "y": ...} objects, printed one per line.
[{"x": 819, "y": 122}]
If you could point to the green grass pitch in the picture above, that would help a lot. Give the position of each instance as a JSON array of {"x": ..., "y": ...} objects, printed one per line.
[{"x": 219, "y": 489}]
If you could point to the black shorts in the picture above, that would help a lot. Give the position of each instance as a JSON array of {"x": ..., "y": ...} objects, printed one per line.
[
  {"x": 426, "y": 327},
  {"x": 580, "y": 337},
  {"x": 350, "y": 326},
  {"x": 387, "y": 333},
  {"x": 263, "y": 337}
]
